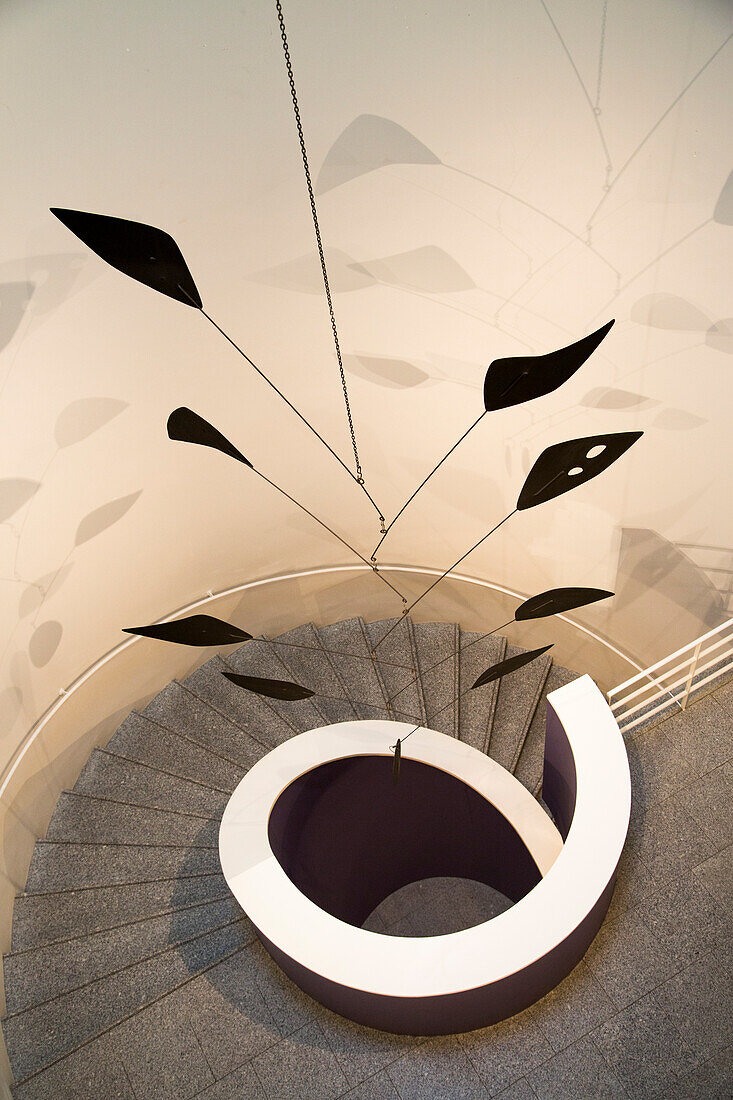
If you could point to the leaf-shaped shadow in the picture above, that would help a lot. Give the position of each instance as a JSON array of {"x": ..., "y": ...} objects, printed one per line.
[
  {"x": 720, "y": 336},
  {"x": 82, "y": 418},
  {"x": 275, "y": 689},
  {"x": 428, "y": 269},
  {"x": 556, "y": 600},
  {"x": 396, "y": 374},
  {"x": 525, "y": 377},
  {"x": 368, "y": 143},
  {"x": 723, "y": 213},
  {"x": 145, "y": 253},
  {"x": 396, "y": 762},
  {"x": 677, "y": 420},
  {"x": 42, "y": 588},
  {"x": 566, "y": 465},
  {"x": 199, "y": 630},
  {"x": 668, "y": 311},
  {"x": 44, "y": 642},
  {"x": 304, "y": 274},
  {"x": 605, "y": 397},
  {"x": 14, "y": 299},
  {"x": 103, "y": 517},
  {"x": 188, "y": 427},
  {"x": 14, "y": 493},
  {"x": 510, "y": 664}
]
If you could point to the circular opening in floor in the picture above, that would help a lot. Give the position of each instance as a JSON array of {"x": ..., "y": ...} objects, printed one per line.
[{"x": 349, "y": 838}]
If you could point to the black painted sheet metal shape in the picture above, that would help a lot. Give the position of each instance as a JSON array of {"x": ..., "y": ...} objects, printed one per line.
[
  {"x": 396, "y": 762},
  {"x": 199, "y": 630},
  {"x": 275, "y": 689},
  {"x": 522, "y": 378},
  {"x": 564, "y": 466},
  {"x": 510, "y": 664},
  {"x": 146, "y": 254},
  {"x": 187, "y": 426},
  {"x": 556, "y": 600}
]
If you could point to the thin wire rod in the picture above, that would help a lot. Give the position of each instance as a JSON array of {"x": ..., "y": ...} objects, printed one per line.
[
  {"x": 299, "y": 414},
  {"x": 330, "y": 530},
  {"x": 339, "y": 653},
  {"x": 442, "y": 576},
  {"x": 359, "y": 703},
  {"x": 424, "y": 483},
  {"x": 317, "y": 230},
  {"x": 450, "y": 657}
]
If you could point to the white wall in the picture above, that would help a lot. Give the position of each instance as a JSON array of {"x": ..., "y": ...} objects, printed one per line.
[{"x": 178, "y": 114}]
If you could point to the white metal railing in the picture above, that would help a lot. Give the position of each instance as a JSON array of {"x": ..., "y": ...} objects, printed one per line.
[{"x": 671, "y": 681}]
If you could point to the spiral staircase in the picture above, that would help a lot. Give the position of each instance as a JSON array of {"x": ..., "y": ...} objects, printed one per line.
[{"x": 134, "y": 974}]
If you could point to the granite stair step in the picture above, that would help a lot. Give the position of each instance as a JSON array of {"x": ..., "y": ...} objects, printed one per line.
[
  {"x": 399, "y": 648},
  {"x": 38, "y": 1036},
  {"x": 42, "y": 973},
  {"x": 518, "y": 696},
  {"x": 145, "y": 741},
  {"x": 301, "y": 651},
  {"x": 61, "y": 865},
  {"x": 251, "y": 712},
  {"x": 107, "y": 775},
  {"x": 44, "y": 918},
  {"x": 437, "y": 655},
  {"x": 181, "y": 710},
  {"x": 83, "y": 819},
  {"x": 355, "y": 666},
  {"x": 530, "y": 763},
  {"x": 477, "y": 707},
  {"x": 259, "y": 658}
]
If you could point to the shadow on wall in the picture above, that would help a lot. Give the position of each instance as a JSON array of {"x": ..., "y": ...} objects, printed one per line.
[{"x": 664, "y": 600}]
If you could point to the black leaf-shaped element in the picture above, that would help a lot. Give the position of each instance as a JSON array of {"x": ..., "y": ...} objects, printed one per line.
[
  {"x": 396, "y": 762},
  {"x": 556, "y": 600},
  {"x": 189, "y": 427},
  {"x": 193, "y": 630},
  {"x": 524, "y": 377},
  {"x": 275, "y": 689},
  {"x": 565, "y": 465},
  {"x": 511, "y": 664},
  {"x": 141, "y": 251}
]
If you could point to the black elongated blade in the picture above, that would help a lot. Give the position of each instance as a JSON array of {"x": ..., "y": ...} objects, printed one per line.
[
  {"x": 524, "y": 377},
  {"x": 141, "y": 251},
  {"x": 565, "y": 465},
  {"x": 193, "y": 630},
  {"x": 511, "y": 664},
  {"x": 396, "y": 762},
  {"x": 275, "y": 689},
  {"x": 556, "y": 600},
  {"x": 189, "y": 427}
]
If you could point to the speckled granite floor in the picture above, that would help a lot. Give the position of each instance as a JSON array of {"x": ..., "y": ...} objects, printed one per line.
[{"x": 647, "y": 1013}]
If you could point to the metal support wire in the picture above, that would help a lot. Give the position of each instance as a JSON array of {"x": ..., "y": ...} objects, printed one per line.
[{"x": 321, "y": 254}]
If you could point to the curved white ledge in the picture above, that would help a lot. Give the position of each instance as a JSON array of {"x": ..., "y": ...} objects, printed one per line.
[{"x": 508, "y": 959}]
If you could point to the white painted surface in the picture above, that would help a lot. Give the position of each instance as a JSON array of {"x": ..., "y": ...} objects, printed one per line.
[{"x": 575, "y": 874}]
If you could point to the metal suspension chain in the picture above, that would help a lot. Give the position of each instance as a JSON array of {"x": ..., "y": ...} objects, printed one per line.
[{"x": 316, "y": 227}]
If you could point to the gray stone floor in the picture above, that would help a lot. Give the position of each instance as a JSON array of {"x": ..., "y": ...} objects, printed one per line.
[{"x": 647, "y": 1013}]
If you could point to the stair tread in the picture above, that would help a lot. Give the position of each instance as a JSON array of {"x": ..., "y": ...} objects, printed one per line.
[
  {"x": 251, "y": 712},
  {"x": 478, "y": 707},
  {"x": 182, "y": 710},
  {"x": 39, "y": 919},
  {"x": 399, "y": 647},
  {"x": 41, "y": 973},
  {"x": 85, "y": 819},
  {"x": 358, "y": 673},
  {"x": 140, "y": 738},
  {"x": 107, "y": 775},
  {"x": 312, "y": 667},
  {"x": 60, "y": 865},
  {"x": 437, "y": 645},
  {"x": 518, "y": 696},
  {"x": 530, "y": 764},
  {"x": 39, "y": 1035}
]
